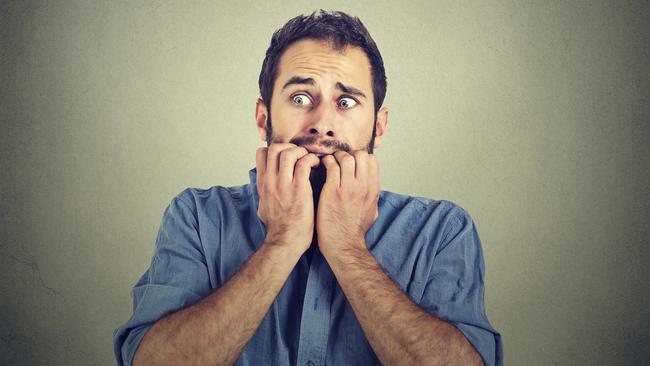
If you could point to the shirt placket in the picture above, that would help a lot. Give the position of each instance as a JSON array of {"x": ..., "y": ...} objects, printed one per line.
[{"x": 316, "y": 313}]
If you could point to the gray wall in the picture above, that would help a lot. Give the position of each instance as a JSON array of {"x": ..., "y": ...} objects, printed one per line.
[{"x": 534, "y": 117}]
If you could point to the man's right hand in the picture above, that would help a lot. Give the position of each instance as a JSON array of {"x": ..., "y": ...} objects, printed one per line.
[
  {"x": 227, "y": 317},
  {"x": 286, "y": 205}
]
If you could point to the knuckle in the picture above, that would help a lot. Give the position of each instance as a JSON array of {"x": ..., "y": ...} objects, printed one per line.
[
  {"x": 362, "y": 191},
  {"x": 286, "y": 157},
  {"x": 309, "y": 158},
  {"x": 277, "y": 148},
  {"x": 274, "y": 148},
  {"x": 302, "y": 163},
  {"x": 260, "y": 154},
  {"x": 267, "y": 186},
  {"x": 328, "y": 160},
  {"x": 347, "y": 160},
  {"x": 352, "y": 195}
]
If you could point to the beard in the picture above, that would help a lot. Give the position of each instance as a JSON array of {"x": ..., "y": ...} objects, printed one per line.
[
  {"x": 309, "y": 140},
  {"x": 318, "y": 174}
]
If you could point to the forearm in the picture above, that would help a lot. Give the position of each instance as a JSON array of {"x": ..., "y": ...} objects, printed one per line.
[
  {"x": 398, "y": 330},
  {"x": 215, "y": 330}
]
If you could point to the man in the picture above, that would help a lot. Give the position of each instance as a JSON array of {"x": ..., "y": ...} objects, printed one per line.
[{"x": 311, "y": 263}]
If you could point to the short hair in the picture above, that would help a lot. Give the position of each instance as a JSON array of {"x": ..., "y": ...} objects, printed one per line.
[{"x": 335, "y": 27}]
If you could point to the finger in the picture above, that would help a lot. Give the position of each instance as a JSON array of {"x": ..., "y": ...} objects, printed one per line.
[
  {"x": 272, "y": 163},
  {"x": 361, "y": 165},
  {"x": 373, "y": 174},
  {"x": 346, "y": 162},
  {"x": 288, "y": 158},
  {"x": 260, "y": 165},
  {"x": 333, "y": 171},
  {"x": 303, "y": 168}
]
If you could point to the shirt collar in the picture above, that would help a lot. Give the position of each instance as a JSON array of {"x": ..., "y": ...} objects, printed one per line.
[
  {"x": 252, "y": 174},
  {"x": 252, "y": 187}
]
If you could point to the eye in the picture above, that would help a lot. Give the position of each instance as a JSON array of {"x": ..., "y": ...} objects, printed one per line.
[
  {"x": 347, "y": 103},
  {"x": 301, "y": 99}
]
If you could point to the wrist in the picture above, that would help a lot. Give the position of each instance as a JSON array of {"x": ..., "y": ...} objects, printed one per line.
[
  {"x": 345, "y": 252},
  {"x": 281, "y": 249}
]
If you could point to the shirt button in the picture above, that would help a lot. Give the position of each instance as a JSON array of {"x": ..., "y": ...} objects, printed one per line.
[{"x": 309, "y": 363}]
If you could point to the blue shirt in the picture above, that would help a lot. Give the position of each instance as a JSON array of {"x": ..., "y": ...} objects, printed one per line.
[{"x": 431, "y": 249}]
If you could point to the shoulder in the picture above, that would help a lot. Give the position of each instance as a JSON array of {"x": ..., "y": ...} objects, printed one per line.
[
  {"x": 201, "y": 197},
  {"x": 213, "y": 201},
  {"x": 443, "y": 216},
  {"x": 422, "y": 205}
]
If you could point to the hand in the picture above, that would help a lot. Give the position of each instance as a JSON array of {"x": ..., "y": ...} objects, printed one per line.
[
  {"x": 286, "y": 205},
  {"x": 347, "y": 206}
]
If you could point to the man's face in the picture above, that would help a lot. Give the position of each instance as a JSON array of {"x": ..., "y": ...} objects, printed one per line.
[{"x": 322, "y": 100}]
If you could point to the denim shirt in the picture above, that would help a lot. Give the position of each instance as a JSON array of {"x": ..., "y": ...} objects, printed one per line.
[{"x": 429, "y": 248}]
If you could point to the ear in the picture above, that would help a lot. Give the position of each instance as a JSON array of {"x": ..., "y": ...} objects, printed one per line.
[
  {"x": 382, "y": 124},
  {"x": 261, "y": 114}
]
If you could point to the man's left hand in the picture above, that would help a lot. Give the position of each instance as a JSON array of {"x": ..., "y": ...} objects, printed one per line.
[{"x": 347, "y": 206}]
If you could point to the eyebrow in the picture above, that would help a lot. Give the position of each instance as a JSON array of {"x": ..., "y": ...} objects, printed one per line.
[{"x": 297, "y": 80}]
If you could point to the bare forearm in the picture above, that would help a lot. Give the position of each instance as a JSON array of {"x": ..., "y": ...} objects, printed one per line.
[
  {"x": 398, "y": 330},
  {"x": 215, "y": 330}
]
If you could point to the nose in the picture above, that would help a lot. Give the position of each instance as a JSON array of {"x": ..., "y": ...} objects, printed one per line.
[
  {"x": 323, "y": 125},
  {"x": 319, "y": 132}
]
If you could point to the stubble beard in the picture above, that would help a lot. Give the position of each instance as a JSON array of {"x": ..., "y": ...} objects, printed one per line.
[
  {"x": 270, "y": 138},
  {"x": 319, "y": 174}
]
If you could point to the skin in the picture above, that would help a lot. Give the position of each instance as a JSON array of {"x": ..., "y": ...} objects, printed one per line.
[
  {"x": 321, "y": 114},
  {"x": 323, "y": 119}
]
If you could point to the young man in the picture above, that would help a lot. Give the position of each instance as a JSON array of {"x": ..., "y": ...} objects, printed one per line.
[{"x": 311, "y": 263}]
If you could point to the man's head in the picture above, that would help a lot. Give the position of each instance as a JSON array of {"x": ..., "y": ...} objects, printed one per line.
[{"x": 323, "y": 83}]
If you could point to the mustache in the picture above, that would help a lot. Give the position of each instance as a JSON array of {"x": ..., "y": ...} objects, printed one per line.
[{"x": 313, "y": 140}]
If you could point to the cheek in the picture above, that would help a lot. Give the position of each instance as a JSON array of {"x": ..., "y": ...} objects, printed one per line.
[
  {"x": 287, "y": 123},
  {"x": 360, "y": 124}
]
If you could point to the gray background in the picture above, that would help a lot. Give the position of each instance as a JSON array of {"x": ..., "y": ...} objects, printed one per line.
[{"x": 533, "y": 117}]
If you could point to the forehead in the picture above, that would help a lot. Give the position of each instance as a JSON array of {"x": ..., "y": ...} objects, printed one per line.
[{"x": 317, "y": 59}]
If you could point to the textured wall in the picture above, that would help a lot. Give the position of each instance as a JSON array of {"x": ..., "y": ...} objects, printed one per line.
[{"x": 534, "y": 117}]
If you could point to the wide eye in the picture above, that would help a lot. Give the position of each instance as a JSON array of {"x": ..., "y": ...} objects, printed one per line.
[
  {"x": 300, "y": 99},
  {"x": 347, "y": 103}
]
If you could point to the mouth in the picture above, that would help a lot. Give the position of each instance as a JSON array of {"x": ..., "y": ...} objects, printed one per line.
[{"x": 318, "y": 151}]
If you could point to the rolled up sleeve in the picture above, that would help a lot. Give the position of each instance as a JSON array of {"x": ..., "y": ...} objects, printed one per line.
[
  {"x": 454, "y": 290},
  {"x": 176, "y": 278}
]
